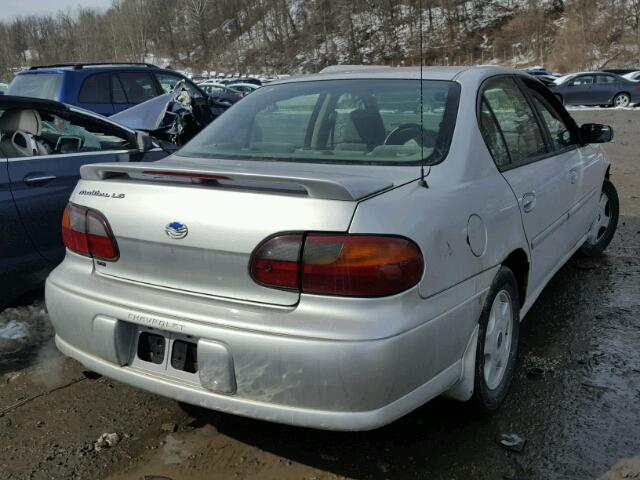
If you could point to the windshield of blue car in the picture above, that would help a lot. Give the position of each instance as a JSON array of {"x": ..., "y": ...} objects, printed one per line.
[
  {"x": 37, "y": 85},
  {"x": 336, "y": 121}
]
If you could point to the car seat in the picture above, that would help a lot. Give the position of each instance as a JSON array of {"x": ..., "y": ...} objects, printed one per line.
[
  {"x": 19, "y": 129},
  {"x": 369, "y": 126}
]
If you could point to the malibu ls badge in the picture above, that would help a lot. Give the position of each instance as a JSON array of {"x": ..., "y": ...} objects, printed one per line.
[{"x": 176, "y": 230}]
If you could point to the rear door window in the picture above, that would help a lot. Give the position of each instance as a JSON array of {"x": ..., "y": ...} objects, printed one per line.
[
  {"x": 95, "y": 89},
  {"x": 493, "y": 136},
  {"x": 605, "y": 80},
  {"x": 137, "y": 87},
  {"x": 36, "y": 85},
  {"x": 515, "y": 118}
]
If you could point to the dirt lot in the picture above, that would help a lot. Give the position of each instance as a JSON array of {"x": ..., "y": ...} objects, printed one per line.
[{"x": 580, "y": 413}]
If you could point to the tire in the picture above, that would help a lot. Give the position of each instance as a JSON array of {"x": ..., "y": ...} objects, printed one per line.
[
  {"x": 497, "y": 350},
  {"x": 622, "y": 100},
  {"x": 559, "y": 97},
  {"x": 605, "y": 223}
]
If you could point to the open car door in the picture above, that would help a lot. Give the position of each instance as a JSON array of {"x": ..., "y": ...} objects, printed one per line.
[{"x": 47, "y": 145}]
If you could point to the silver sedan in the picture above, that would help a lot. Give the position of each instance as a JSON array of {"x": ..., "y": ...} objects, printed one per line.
[{"x": 336, "y": 249}]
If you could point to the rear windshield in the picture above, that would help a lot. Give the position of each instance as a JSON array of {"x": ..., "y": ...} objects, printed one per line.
[
  {"x": 37, "y": 85},
  {"x": 336, "y": 121}
]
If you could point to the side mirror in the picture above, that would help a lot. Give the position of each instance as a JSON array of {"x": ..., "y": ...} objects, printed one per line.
[
  {"x": 596, "y": 133},
  {"x": 145, "y": 142}
]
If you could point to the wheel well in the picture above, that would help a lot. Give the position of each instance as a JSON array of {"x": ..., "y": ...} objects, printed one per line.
[
  {"x": 518, "y": 263},
  {"x": 607, "y": 173}
]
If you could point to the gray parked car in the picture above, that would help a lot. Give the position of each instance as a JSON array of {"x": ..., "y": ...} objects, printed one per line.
[
  {"x": 596, "y": 88},
  {"x": 332, "y": 252}
]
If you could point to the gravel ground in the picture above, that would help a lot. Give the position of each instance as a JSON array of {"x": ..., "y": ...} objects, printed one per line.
[{"x": 575, "y": 398}]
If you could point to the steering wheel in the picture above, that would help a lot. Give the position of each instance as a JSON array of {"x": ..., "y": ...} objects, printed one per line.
[{"x": 411, "y": 131}]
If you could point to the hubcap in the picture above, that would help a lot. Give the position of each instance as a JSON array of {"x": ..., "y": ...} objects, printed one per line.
[
  {"x": 622, "y": 101},
  {"x": 603, "y": 218},
  {"x": 497, "y": 340}
]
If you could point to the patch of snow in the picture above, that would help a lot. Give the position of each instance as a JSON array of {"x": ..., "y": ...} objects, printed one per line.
[{"x": 13, "y": 330}]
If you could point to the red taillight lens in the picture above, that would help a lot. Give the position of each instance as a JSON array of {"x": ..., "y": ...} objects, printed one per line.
[
  {"x": 345, "y": 265},
  {"x": 359, "y": 265},
  {"x": 275, "y": 262},
  {"x": 87, "y": 232}
]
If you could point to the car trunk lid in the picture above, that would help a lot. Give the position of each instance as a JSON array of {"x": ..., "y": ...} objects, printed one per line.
[{"x": 226, "y": 212}]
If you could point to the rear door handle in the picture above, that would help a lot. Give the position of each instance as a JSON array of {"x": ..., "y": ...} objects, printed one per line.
[
  {"x": 38, "y": 179},
  {"x": 528, "y": 201}
]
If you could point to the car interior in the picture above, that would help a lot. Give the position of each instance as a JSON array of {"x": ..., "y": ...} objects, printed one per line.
[{"x": 30, "y": 132}]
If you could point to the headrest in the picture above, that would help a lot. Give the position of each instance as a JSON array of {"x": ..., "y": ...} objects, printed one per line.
[{"x": 26, "y": 120}]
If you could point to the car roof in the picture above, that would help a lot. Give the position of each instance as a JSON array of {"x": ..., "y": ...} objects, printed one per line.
[
  {"x": 593, "y": 73},
  {"x": 402, "y": 73},
  {"x": 89, "y": 67}
]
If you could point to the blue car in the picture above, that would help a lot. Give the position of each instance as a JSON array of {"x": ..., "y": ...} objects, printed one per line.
[
  {"x": 102, "y": 88},
  {"x": 43, "y": 144}
]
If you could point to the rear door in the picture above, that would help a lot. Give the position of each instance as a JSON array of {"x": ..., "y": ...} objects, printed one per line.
[
  {"x": 604, "y": 88},
  {"x": 41, "y": 185},
  {"x": 537, "y": 176}
]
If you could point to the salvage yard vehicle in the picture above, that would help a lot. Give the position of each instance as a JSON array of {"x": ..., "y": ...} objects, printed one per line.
[
  {"x": 42, "y": 146},
  {"x": 104, "y": 88},
  {"x": 244, "y": 88},
  {"x": 337, "y": 249},
  {"x": 221, "y": 93},
  {"x": 596, "y": 88}
]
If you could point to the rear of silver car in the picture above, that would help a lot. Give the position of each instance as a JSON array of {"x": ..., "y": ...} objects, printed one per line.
[{"x": 243, "y": 286}]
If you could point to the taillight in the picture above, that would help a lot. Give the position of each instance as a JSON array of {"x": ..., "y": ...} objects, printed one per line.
[
  {"x": 275, "y": 262},
  {"x": 345, "y": 265},
  {"x": 87, "y": 232}
]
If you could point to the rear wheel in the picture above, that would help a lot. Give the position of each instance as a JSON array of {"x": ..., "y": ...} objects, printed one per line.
[
  {"x": 497, "y": 342},
  {"x": 606, "y": 221},
  {"x": 621, "y": 100}
]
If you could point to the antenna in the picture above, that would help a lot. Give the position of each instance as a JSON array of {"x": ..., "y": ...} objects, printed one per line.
[{"x": 423, "y": 181}]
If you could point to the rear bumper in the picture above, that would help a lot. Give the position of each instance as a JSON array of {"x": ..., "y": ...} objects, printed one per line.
[
  {"x": 335, "y": 384},
  {"x": 305, "y": 417}
]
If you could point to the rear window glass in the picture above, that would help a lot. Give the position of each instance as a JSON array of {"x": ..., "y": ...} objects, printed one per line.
[
  {"x": 37, "y": 85},
  {"x": 336, "y": 121},
  {"x": 95, "y": 89}
]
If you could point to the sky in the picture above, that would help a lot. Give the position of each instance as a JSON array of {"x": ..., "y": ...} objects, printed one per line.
[{"x": 10, "y": 9}]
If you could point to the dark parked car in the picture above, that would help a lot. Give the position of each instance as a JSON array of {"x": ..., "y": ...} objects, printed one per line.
[
  {"x": 251, "y": 80},
  {"x": 43, "y": 144},
  {"x": 619, "y": 71},
  {"x": 539, "y": 72},
  {"x": 221, "y": 93},
  {"x": 596, "y": 88},
  {"x": 102, "y": 88}
]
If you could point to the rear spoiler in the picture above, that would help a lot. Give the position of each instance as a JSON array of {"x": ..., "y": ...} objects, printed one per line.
[{"x": 323, "y": 185}]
